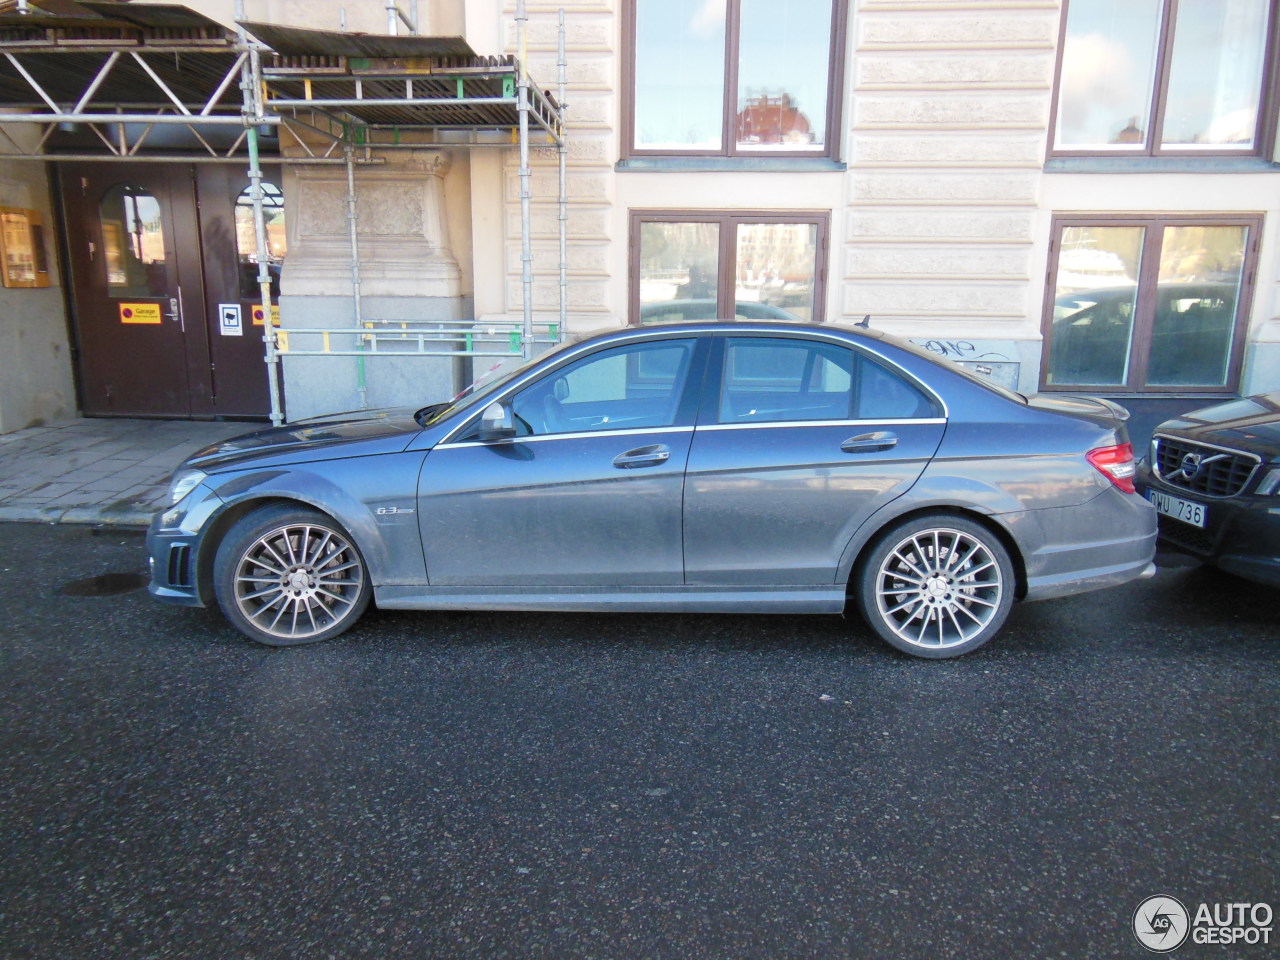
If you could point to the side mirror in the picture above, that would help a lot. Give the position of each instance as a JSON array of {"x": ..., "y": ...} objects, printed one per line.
[{"x": 496, "y": 423}]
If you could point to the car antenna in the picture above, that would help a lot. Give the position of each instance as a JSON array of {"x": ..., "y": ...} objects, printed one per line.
[{"x": 864, "y": 322}]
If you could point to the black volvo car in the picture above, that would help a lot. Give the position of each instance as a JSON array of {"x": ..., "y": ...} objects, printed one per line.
[{"x": 1213, "y": 475}]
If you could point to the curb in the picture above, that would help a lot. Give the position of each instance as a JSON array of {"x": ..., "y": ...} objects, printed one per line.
[{"x": 127, "y": 517}]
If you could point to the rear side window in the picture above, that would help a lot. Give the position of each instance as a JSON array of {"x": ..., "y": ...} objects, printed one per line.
[
  {"x": 883, "y": 394},
  {"x": 769, "y": 379}
]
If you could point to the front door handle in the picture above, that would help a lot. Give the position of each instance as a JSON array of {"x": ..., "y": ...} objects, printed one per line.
[
  {"x": 867, "y": 442},
  {"x": 649, "y": 456}
]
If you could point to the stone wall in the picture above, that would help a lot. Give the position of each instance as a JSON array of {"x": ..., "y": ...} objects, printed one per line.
[{"x": 36, "y": 383}]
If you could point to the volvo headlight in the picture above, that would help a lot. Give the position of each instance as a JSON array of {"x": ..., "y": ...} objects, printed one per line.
[
  {"x": 1270, "y": 482},
  {"x": 183, "y": 483}
]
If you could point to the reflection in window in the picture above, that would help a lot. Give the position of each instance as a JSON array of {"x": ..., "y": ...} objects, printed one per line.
[
  {"x": 776, "y": 263},
  {"x": 679, "y": 264},
  {"x": 689, "y": 270},
  {"x": 1110, "y": 328},
  {"x": 1108, "y": 71},
  {"x": 1199, "y": 287},
  {"x": 133, "y": 248},
  {"x": 783, "y": 76},
  {"x": 1214, "y": 81},
  {"x": 679, "y": 74},
  {"x": 783, "y": 66},
  {"x": 636, "y": 386},
  {"x": 769, "y": 379},
  {"x": 247, "y": 239},
  {"x": 1093, "y": 304},
  {"x": 1113, "y": 78}
]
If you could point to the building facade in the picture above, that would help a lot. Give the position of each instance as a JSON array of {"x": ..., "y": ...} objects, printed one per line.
[{"x": 1064, "y": 194}]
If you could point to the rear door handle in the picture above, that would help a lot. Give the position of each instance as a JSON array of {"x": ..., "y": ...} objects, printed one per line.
[
  {"x": 649, "y": 456},
  {"x": 865, "y": 442}
]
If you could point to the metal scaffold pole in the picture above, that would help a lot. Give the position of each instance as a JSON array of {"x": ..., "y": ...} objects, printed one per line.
[
  {"x": 251, "y": 80},
  {"x": 561, "y": 151},
  {"x": 526, "y": 245},
  {"x": 357, "y": 302}
]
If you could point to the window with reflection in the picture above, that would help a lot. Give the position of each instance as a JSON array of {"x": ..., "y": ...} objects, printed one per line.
[
  {"x": 734, "y": 77},
  {"x": 247, "y": 239},
  {"x": 1117, "y": 94},
  {"x": 133, "y": 247},
  {"x": 1148, "y": 304},
  {"x": 721, "y": 266},
  {"x": 629, "y": 387}
]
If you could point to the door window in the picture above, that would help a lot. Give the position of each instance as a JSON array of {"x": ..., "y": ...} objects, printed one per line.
[
  {"x": 635, "y": 386},
  {"x": 133, "y": 247},
  {"x": 247, "y": 239},
  {"x": 770, "y": 380}
]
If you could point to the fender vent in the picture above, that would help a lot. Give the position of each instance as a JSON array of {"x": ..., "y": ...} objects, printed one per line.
[{"x": 180, "y": 565}]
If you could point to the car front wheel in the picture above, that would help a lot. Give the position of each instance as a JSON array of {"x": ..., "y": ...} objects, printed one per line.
[
  {"x": 286, "y": 575},
  {"x": 937, "y": 586}
]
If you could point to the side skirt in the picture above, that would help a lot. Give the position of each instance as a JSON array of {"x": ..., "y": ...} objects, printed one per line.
[{"x": 667, "y": 599}]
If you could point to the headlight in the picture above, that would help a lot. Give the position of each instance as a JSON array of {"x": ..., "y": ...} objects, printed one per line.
[
  {"x": 1270, "y": 482},
  {"x": 183, "y": 483}
]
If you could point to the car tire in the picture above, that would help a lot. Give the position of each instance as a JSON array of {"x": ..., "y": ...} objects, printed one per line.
[
  {"x": 937, "y": 586},
  {"x": 285, "y": 575}
]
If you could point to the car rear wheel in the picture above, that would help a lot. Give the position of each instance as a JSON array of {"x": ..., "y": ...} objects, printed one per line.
[
  {"x": 286, "y": 575},
  {"x": 937, "y": 586}
]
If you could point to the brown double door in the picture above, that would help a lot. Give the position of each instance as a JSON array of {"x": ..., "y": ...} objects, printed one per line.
[{"x": 155, "y": 275}]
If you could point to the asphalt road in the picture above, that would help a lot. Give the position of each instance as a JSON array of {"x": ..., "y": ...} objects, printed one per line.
[{"x": 560, "y": 786}]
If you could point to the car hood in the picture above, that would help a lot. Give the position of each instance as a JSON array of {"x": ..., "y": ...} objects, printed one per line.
[
  {"x": 375, "y": 431},
  {"x": 1252, "y": 423}
]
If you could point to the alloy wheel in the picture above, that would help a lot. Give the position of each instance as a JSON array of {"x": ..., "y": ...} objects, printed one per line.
[
  {"x": 298, "y": 580},
  {"x": 939, "y": 588}
]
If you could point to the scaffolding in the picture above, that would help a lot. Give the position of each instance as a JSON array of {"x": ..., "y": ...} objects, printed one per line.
[{"x": 110, "y": 66}]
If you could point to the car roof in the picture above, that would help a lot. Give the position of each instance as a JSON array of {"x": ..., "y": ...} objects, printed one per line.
[{"x": 669, "y": 327}]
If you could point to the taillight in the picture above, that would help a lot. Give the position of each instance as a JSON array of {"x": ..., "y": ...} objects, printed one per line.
[{"x": 1116, "y": 464}]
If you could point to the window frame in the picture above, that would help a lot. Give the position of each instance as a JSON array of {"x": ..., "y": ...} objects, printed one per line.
[
  {"x": 1268, "y": 97},
  {"x": 1146, "y": 302},
  {"x": 728, "y": 222},
  {"x": 729, "y": 148}
]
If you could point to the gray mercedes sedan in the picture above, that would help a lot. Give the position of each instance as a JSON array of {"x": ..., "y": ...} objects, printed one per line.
[{"x": 741, "y": 467}]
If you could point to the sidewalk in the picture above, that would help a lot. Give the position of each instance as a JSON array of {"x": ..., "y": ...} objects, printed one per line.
[{"x": 99, "y": 471}]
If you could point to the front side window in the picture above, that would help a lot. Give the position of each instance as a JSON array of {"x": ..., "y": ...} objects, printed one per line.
[
  {"x": 1157, "y": 76},
  {"x": 689, "y": 266},
  {"x": 635, "y": 386},
  {"x": 733, "y": 77},
  {"x": 1148, "y": 304}
]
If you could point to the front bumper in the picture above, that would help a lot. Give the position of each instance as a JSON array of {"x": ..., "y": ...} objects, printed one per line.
[
  {"x": 1241, "y": 534},
  {"x": 173, "y": 548}
]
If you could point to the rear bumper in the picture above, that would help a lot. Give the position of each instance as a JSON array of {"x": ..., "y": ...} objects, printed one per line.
[{"x": 1105, "y": 542}]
